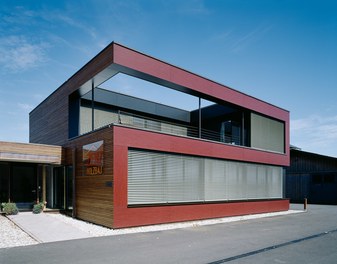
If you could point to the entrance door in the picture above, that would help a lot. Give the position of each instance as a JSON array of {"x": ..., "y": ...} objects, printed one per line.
[
  {"x": 24, "y": 185},
  {"x": 63, "y": 189},
  {"x": 59, "y": 188},
  {"x": 4, "y": 182}
]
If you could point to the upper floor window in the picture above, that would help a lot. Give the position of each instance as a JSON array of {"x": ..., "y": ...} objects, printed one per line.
[{"x": 267, "y": 133}]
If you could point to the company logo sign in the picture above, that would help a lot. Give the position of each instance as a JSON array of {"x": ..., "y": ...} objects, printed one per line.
[{"x": 93, "y": 158}]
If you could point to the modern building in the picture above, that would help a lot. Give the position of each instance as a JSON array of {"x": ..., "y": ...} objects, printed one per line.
[
  {"x": 311, "y": 176},
  {"x": 129, "y": 162}
]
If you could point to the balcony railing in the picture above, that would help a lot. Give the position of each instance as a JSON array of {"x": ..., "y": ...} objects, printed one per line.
[{"x": 146, "y": 123}]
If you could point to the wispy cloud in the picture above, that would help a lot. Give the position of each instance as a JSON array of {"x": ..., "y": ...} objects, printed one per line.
[
  {"x": 17, "y": 53},
  {"x": 249, "y": 38},
  {"x": 57, "y": 17},
  {"x": 29, "y": 33},
  {"x": 25, "y": 107},
  {"x": 237, "y": 41},
  {"x": 315, "y": 133},
  {"x": 195, "y": 7}
]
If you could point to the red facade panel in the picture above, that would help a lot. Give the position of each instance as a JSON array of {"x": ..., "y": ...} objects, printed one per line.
[
  {"x": 128, "y": 217},
  {"x": 154, "y": 67},
  {"x": 125, "y": 216},
  {"x": 147, "y": 65},
  {"x": 156, "y": 141}
]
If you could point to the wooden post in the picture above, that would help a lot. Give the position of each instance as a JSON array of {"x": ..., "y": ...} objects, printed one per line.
[
  {"x": 305, "y": 204},
  {"x": 44, "y": 184}
]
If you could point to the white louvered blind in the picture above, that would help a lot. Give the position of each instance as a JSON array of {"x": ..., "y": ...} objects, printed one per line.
[
  {"x": 267, "y": 133},
  {"x": 156, "y": 177}
]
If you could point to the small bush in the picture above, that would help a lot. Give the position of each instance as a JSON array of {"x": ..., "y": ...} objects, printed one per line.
[
  {"x": 10, "y": 208},
  {"x": 37, "y": 208}
]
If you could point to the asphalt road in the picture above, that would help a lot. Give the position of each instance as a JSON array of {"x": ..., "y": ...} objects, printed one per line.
[{"x": 309, "y": 237}]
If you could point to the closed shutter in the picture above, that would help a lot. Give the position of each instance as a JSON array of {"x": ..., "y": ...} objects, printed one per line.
[
  {"x": 157, "y": 178},
  {"x": 267, "y": 134}
]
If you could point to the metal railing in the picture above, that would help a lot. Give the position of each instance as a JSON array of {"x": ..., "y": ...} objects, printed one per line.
[{"x": 147, "y": 123}]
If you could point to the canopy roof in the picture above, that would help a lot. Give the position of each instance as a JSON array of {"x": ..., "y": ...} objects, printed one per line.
[{"x": 30, "y": 153}]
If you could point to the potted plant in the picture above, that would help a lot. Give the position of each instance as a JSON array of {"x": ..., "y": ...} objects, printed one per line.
[
  {"x": 9, "y": 208},
  {"x": 38, "y": 207}
]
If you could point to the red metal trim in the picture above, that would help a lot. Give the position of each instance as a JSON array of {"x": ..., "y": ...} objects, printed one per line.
[
  {"x": 157, "y": 141},
  {"x": 137, "y": 216},
  {"x": 147, "y": 65},
  {"x": 128, "y": 217}
]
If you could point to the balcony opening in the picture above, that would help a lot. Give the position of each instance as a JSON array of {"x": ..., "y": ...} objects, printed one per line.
[{"x": 133, "y": 102}]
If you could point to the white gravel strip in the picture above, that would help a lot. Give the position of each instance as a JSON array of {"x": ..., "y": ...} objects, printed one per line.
[
  {"x": 97, "y": 231},
  {"x": 13, "y": 236}
]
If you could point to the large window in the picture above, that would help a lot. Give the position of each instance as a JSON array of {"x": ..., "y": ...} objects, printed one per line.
[
  {"x": 266, "y": 133},
  {"x": 157, "y": 178}
]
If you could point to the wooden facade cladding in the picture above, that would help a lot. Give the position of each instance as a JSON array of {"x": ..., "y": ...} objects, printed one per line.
[
  {"x": 49, "y": 121},
  {"x": 93, "y": 193},
  {"x": 35, "y": 153}
]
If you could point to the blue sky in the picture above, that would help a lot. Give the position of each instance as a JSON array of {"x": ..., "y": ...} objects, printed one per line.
[{"x": 281, "y": 51}]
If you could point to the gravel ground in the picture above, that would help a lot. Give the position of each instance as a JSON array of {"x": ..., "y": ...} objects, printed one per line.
[
  {"x": 96, "y": 230},
  {"x": 13, "y": 236}
]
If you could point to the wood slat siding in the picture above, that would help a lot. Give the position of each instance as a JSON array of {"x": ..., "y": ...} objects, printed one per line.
[
  {"x": 93, "y": 199},
  {"x": 48, "y": 122},
  {"x": 30, "y": 152}
]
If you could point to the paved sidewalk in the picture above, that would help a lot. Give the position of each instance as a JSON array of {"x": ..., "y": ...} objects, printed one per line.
[
  {"x": 306, "y": 237},
  {"x": 45, "y": 228}
]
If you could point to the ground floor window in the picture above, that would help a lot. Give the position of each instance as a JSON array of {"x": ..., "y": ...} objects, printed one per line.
[
  {"x": 157, "y": 178},
  {"x": 19, "y": 184},
  {"x": 28, "y": 183}
]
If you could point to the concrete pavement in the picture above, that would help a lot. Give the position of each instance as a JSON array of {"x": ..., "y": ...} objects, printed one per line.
[
  {"x": 44, "y": 228},
  {"x": 235, "y": 242},
  {"x": 55, "y": 227}
]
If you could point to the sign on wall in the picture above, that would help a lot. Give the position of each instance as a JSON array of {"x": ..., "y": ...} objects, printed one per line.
[{"x": 93, "y": 158}]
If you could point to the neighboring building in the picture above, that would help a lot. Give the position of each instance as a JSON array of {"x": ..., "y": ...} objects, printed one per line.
[
  {"x": 130, "y": 162},
  {"x": 311, "y": 176}
]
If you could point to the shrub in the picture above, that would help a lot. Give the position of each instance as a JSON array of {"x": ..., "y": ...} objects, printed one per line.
[
  {"x": 10, "y": 208},
  {"x": 37, "y": 208}
]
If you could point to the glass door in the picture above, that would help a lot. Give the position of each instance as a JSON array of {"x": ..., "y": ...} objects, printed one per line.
[
  {"x": 23, "y": 185},
  {"x": 69, "y": 191},
  {"x": 59, "y": 188},
  {"x": 4, "y": 182}
]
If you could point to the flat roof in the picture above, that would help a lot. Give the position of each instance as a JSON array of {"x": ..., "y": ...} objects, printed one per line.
[
  {"x": 30, "y": 153},
  {"x": 116, "y": 58}
]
